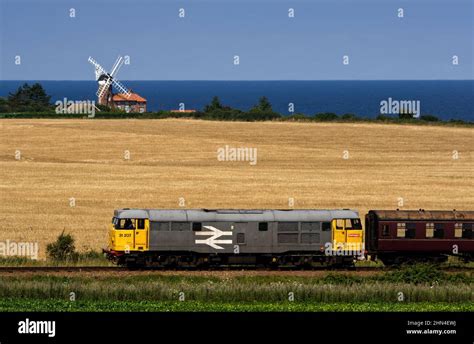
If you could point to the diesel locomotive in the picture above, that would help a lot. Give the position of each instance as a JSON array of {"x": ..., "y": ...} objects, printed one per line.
[{"x": 203, "y": 238}]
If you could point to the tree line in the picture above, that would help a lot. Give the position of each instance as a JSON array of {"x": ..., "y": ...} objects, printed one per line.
[
  {"x": 33, "y": 101},
  {"x": 27, "y": 99}
]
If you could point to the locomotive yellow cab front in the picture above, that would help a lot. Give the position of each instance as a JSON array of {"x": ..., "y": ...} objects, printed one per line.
[
  {"x": 128, "y": 234},
  {"x": 348, "y": 236}
]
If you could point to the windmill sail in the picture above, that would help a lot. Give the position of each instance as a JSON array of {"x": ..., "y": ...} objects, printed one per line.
[
  {"x": 106, "y": 79},
  {"x": 98, "y": 68},
  {"x": 118, "y": 85},
  {"x": 117, "y": 66}
]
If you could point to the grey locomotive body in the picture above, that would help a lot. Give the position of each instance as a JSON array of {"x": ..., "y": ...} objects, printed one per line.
[{"x": 208, "y": 237}]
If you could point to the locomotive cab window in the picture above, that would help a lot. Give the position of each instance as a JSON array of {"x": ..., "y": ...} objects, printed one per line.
[
  {"x": 141, "y": 224},
  {"x": 263, "y": 226},
  {"x": 353, "y": 224},
  {"x": 123, "y": 224},
  {"x": 348, "y": 224}
]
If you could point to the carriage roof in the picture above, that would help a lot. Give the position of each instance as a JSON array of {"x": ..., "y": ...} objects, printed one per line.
[{"x": 422, "y": 215}]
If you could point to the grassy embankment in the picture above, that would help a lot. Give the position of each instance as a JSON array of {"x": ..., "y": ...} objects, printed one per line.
[{"x": 423, "y": 288}]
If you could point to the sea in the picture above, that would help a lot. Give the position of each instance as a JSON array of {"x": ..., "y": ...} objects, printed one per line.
[{"x": 446, "y": 99}]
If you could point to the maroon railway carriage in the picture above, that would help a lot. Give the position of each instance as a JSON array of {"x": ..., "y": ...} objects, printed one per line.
[{"x": 398, "y": 236}]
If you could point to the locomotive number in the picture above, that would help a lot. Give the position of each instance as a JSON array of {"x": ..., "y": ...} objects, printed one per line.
[{"x": 121, "y": 235}]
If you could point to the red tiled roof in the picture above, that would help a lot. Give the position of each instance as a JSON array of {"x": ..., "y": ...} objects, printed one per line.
[{"x": 120, "y": 97}]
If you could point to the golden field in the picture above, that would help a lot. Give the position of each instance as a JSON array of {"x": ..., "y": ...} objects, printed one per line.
[{"x": 169, "y": 159}]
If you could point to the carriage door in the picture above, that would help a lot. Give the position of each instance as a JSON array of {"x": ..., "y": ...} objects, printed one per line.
[
  {"x": 141, "y": 234},
  {"x": 339, "y": 233}
]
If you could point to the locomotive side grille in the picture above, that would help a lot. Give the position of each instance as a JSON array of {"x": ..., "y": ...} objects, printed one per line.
[
  {"x": 287, "y": 238},
  {"x": 310, "y": 238}
]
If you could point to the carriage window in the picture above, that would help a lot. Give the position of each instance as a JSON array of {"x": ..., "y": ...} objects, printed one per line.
[
  {"x": 429, "y": 230},
  {"x": 458, "y": 230},
  {"x": 401, "y": 229},
  {"x": 263, "y": 226},
  {"x": 439, "y": 230},
  {"x": 197, "y": 226},
  {"x": 385, "y": 230},
  {"x": 287, "y": 226},
  {"x": 141, "y": 224},
  {"x": 467, "y": 230},
  {"x": 180, "y": 226},
  {"x": 410, "y": 230},
  {"x": 326, "y": 226}
]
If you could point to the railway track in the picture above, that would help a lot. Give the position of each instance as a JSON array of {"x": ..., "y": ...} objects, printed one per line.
[
  {"x": 60, "y": 268},
  {"x": 81, "y": 269}
]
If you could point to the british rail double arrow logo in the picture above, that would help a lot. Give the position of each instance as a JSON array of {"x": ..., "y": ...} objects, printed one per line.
[{"x": 213, "y": 239}]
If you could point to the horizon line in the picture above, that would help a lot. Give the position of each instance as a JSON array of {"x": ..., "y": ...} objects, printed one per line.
[{"x": 244, "y": 80}]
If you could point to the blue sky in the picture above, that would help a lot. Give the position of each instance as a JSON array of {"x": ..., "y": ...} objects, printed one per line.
[{"x": 270, "y": 45}]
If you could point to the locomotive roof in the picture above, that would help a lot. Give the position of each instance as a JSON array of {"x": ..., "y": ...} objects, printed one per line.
[
  {"x": 420, "y": 215},
  {"x": 199, "y": 215}
]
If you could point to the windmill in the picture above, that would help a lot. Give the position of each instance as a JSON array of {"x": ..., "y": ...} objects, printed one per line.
[{"x": 107, "y": 80}]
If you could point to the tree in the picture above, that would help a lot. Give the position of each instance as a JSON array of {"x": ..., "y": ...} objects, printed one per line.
[
  {"x": 4, "y": 105},
  {"x": 215, "y": 105},
  {"x": 262, "y": 106},
  {"x": 29, "y": 98},
  {"x": 325, "y": 116},
  {"x": 62, "y": 249},
  {"x": 349, "y": 117},
  {"x": 405, "y": 115},
  {"x": 429, "y": 118},
  {"x": 38, "y": 95}
]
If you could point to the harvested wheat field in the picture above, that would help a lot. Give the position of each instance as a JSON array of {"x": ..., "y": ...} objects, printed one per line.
[{"x": 47, "y": 165}]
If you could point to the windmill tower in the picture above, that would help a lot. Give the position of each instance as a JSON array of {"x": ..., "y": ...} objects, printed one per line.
[{"x": 106, "y": 80}]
